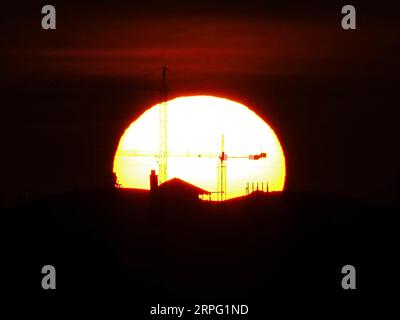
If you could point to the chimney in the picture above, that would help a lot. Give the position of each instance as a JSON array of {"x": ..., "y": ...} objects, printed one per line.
[{"x": 153, "y": 181}]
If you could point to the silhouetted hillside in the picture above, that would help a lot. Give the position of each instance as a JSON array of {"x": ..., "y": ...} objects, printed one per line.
[{"x": 127, "y": 243}]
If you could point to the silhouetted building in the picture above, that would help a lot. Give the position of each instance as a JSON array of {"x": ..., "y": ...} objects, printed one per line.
[{"x": 181, "y": 189}]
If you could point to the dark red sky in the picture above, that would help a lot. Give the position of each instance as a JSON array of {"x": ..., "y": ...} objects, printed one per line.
[{"x": 331, "y": 95}]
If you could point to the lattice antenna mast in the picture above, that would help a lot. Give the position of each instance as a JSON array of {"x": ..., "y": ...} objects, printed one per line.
[
  {"x": 163, "y": 130},
  {"x": 221, "y": 172}
]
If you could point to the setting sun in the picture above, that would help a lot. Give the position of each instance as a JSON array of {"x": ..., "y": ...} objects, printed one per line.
[{"x": 199, "y": 129}]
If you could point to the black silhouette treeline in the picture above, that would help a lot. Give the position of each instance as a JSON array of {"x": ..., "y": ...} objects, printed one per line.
[{"x": 128, "y": 243}]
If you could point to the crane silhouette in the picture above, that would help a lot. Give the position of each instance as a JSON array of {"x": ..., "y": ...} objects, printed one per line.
[
  {"x": 222, "y": 158},
  {"x": 163, "y": 153}
]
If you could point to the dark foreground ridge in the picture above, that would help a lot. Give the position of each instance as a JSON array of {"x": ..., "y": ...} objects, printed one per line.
[{"x": 121, "y": 243}]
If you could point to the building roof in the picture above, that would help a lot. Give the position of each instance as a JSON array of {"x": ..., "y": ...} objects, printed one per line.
[{"x": 179, "y": 185}]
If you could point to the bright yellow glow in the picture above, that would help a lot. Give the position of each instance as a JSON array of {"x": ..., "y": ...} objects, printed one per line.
[{"x": 195, "y": 127}]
